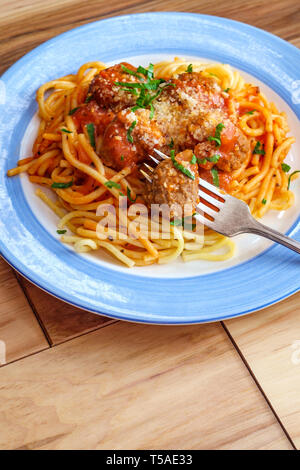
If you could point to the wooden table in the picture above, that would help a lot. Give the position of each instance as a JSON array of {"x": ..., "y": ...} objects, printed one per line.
[{"x": 71, "y": 379}]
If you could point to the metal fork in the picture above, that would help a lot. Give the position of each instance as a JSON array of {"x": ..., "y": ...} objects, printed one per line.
[{"x": 230, "y": 216}]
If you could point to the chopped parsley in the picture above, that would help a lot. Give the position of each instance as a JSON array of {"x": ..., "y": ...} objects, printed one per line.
[
  {"x": 112, "y": 184},
  {"x": 61, "y": 232},
  {"x": 215, "y": 177},
  {"x": 184, "y": 222},
  {"x": 285, "y": 167},
  {"x": 189, "y": 68},
  {"x": 149, "y": 72},
  {"x": 62, "y": 185},
  {"x": 226, "y": 90},
  {"x": 131, "y": 72},
  {"x": 73, "y": 111},
  {"x": 122, "y": 158},
  {"x": 217, "y": 136},
  {"x": 171, "y": 144},
  {"x": 91, "y": 133},
  {"x": 129, "y": 195},
  {"x": 129, "y": 136},
  {"x": 88, "y": 98},
  {"x": 251, "y": 112},
  {"x": 180, "y": 167},
  {"x": 258, "y": 149},
  {"x": 289, "y": 182},
  {"x": 147, "y": 86},
  {"x": 264, "y": 201},
  {"x": 214, "y": 159},
  {"x": 194, "y": 159},
  {"x": 213, "y": 74},
  {"x": 66, "y": 131}
]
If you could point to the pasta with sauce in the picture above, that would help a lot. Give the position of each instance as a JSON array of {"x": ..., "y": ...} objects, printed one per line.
[{"x": 98, "y": 126}]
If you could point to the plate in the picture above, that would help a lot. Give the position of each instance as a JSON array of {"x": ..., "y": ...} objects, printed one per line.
[{"x": 259, "y": 275}]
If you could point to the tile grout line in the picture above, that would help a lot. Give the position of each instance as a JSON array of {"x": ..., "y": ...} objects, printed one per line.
[
  {"x": 58, "y": 344},
  {"x": 24, "y": 357},
  {"x": 34, "y": 311},
  {"x": 43, "y": 327},
  {"x": 104, "y": 325},
  {"x": 238, "y": 350}
]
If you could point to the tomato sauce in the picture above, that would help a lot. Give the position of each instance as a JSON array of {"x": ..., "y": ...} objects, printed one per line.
[{"x": 225, "y": 179}]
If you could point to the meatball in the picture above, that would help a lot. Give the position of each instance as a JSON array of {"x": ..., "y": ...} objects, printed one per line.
[
  {"x": 109, "y": 95},
  {"x": 231, "y": 154},
  {"x": 116, "y": 151},
  {"x": 236, "y": 155},
  {"x": 194, "y": 86},
  {"x": 172, "y": 187},
  {"x": 130, "y": 138},
  {"x": 92, "y": 113},
  {"x": 189, "y": 109}
]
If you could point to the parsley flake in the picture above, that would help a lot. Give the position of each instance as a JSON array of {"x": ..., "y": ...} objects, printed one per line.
[
  {"x": 129, "y": 136},
  {"x": 217, "y": 136},
  {"x": 171, "y": 144},
  {"x": 213, "y": 159},
  {"x": 258, "y": 149},
  {"x": 91, "y": 133},
  {"x": 285, "y": 167},
  {"x": 112, "y": 184},
  {"x": 88, "y": 98},
  {"x": 289, "y": 182},
  {"x": 73, "y": 111},
  {"x": 184, "y": 222},
  {"x": 129, "y": 195},
  {"x": 215, "y": 176},
  {"x": 62, "y": 185},
  {"x": 180, "y": 167}
]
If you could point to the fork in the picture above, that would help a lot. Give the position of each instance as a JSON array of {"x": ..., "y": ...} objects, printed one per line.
[{"x": 229, "y": 216}]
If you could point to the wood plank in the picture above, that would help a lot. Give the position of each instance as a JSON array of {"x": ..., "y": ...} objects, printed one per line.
[
  {"x": 136, "y": 387},
  {"x": 60, "y": 320},
  {"x": 270, "y": 342},
  {"x": 20, "y": 333}
]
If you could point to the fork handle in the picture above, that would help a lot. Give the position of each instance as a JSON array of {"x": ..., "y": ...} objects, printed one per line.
[{"x": 267, "y": 232}]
